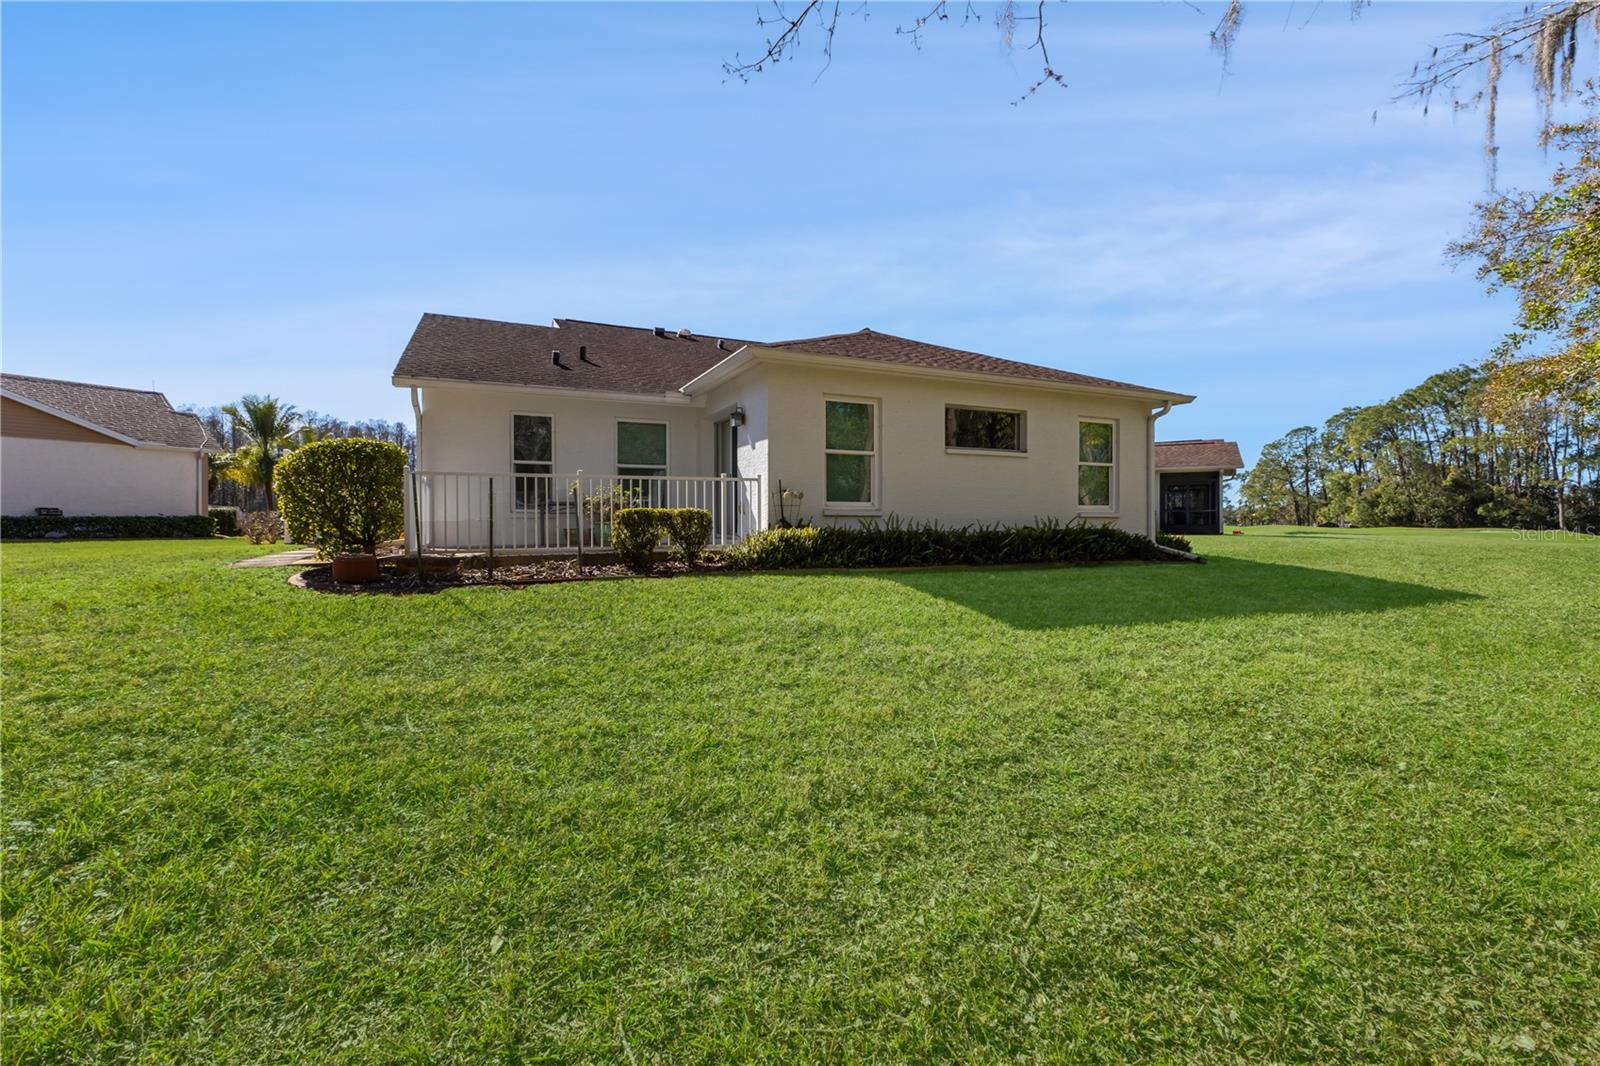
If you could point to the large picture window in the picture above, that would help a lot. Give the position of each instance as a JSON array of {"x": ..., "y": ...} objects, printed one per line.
[
  {"x": 983, "y": 429},
  {"x": 532, "y": 452},
  {"x": 1096, "y": 460},
  {"x": 851, "y": 446}
]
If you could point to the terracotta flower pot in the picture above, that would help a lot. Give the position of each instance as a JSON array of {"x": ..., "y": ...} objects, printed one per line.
[{"x": 355, "y": 569}]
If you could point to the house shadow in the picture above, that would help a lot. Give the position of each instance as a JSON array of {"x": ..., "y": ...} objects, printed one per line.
[{"x": 1119, "y": 595}]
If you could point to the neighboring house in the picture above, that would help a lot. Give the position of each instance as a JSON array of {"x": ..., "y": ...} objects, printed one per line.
[
  {"x": 97, "y": 450},
  {"x": 1191, "y": 474},
  {"x": 862, "y": 424}
]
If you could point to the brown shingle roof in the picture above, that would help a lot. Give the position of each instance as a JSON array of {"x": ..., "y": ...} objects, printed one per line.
[
  {"x": 1210, "y": 454},
  {"x": 619, "y": 358},
  {"x": 634, "y": 359},
  {"x": 137, "y": 413},
  {"x": 887, "y": 348}
]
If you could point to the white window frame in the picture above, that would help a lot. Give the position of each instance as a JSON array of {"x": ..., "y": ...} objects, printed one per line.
[
  {"x": 874, "y": 468},
  {"x": 511, "y": 447},
  {"x": 616, "y": 451},
  {"x": 1022, "y": 430},
  {"x": 1109, "y": 508}
]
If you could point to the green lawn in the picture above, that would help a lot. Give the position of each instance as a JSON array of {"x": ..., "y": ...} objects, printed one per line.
[{"x": 1335, "y": 796}]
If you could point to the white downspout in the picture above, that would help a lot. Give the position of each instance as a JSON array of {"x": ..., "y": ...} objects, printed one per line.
[
  {"x": 416, "y": 411},
  {"x": 1153, "y": 494}
]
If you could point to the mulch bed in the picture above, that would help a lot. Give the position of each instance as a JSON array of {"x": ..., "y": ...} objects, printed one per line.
[{"x": 401, "y": 578}]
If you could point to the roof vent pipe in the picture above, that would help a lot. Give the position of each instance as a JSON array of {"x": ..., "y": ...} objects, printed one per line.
[
  {"x": 583, "y": 353},
  {"x": 555, "y": 358},
  {"x": 661, "y": 331},
  {"x": 722, "y": 345}
]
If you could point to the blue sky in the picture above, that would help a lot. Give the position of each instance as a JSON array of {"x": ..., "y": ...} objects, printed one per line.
[{"x": 221, "y": 199}]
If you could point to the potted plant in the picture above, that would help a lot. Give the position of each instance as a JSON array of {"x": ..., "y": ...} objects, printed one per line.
[
  {"x": 345, "y": 496},
  {"x": 600, "y": 507}
]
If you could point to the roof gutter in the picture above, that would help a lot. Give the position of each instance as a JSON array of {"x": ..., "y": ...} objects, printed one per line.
[
  {"x": 416, "y": 411},
  {"x": 674, "y": 398}
]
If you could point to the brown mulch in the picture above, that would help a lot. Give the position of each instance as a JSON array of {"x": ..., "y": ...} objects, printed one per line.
[{"x": 401, "y": 577}]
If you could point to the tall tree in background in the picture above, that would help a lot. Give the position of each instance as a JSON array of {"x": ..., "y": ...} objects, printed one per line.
[
  {"x": 272, "y": 426},
  {"x": 1544, "y": 39},
  {"x": 1543, "y": 380}
]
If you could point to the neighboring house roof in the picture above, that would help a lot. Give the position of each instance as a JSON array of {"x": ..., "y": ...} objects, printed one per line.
[
  {"x": 887, "y": 348},
  {"x": 1209, "y": 454},
  {"x": 630, "y": 359},
  {"x": 137, "y": 415},
  {"x": 617, "y": 358}
]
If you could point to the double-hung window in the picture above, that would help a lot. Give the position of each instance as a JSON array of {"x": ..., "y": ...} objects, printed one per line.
[
  {"x": 642, "y": 453},
  {"x": 532, "y": 453},
  {"x": 982, "y": 429},
  {"x": 850, "y": 444},
  {"x": 1097, "y": 443}
]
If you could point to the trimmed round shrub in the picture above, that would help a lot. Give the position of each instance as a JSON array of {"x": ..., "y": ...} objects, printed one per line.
[
  {"x": 689, "y": 528},
  {"x": 343, "y": 495},
  {"x": 635, "y": 532}
]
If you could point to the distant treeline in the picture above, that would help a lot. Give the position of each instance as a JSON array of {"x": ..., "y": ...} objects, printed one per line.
[
  {"x": 1473, "y": 446},
  {"x": 232, "y": 434}
]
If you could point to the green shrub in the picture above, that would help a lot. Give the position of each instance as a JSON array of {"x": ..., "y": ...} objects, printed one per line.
[
  {"x": 37, "y": 527},
  {"x": 227, "y": 520},
  {"x": 1172, "y": 540},
  {"x": 344, "y": 494},
  {"x": 897, "y": 543},
  {"x": 689, "y": 528},
  {"x": 635, "y": 532}
]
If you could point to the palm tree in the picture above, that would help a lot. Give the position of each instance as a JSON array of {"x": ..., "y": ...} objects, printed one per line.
[{"x": 271, "y": 426}]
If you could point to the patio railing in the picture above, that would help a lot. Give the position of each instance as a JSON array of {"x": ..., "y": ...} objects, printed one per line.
[{"x": 557, "y": 513}]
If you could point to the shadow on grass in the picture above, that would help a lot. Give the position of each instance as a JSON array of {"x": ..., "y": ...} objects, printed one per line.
[{"x": 1054, "y": 598}]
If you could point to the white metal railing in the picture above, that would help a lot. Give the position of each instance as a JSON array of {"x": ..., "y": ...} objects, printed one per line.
[{"x": 448, "y": 511}]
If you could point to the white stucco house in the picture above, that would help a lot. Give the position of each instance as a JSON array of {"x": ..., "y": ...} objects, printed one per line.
[
  {"x": 88, "y": 449},
  {"x": 538, "y": 419}
]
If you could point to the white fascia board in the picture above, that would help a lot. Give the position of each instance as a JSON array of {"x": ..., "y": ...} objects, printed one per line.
[
  {"x": 1197, "y": 470},
  {"x": 675, "y": 399},
  {"x": 749, "y": 354},
  {"x": 722, "y": 371}
]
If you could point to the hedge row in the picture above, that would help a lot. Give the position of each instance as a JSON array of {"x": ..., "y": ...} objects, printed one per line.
[
  {"x": 37, "y": 527},
  {"x": 227, "y": 520},
  {"x": 1173, "y": 540},
  {"x": 896, "y": 543},
  {"x": 635, "y": 532}
]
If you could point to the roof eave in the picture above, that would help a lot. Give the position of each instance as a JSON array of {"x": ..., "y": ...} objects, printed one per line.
[
  {"x": 408, "y": 381},
  {"x": 757, "y": 353}
]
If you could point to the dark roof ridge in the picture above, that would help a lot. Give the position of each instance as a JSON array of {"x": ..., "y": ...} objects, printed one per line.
[{"x": 91, "y": 385}]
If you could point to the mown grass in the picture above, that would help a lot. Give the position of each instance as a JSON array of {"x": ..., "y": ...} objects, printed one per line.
[{"x": 1333, "y": 796}]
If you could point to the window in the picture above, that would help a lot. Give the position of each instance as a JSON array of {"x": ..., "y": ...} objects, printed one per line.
[
  {"x": 976, "y": 427},
  {"x": 642, "y": 449},
  {"x": 642, "y": 453},
  {"x": 1096, "y": 458},
  {"x": 532, "y": 452},
  {"x": 850, "y": 441}
]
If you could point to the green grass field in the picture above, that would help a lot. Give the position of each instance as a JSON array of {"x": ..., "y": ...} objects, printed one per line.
[{"x": 1333, "y": 796}]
